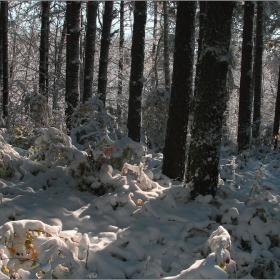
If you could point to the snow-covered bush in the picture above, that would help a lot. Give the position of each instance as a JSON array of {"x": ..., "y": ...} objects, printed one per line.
[
  {"x": 154, "y": 117},
  {"x": 39, "y": 111},
  {"x": 91, "y": 122},
  {"x": 48, "y": 136},
  {"x": 21, "y": 134},
  {"x": 31, "y": 249}
]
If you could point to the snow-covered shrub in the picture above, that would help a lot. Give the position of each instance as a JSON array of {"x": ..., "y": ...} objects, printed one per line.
[
  {"x": 32, "y": 249},
  {"x": 127, "y": 151},
  {"x": 91, "y": 122},
  {"x": 218, "y": 264},
  {"x": 48, "y": 136},
  {"x": 143, "y": 181},
  {"x": 21, "y": 135},
  {"x": 154, "y": 117},
  {"x": 39, "y": 110},
  {"x": 6, "y": 172}
]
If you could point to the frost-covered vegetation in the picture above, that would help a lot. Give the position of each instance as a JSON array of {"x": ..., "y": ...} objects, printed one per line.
[{"x": 96, "y": 205}]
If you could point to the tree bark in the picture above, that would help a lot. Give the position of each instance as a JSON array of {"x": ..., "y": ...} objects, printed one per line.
[
  {"x": 258, "y": 72},
  {"x": 1, "y": 51},
  {"x": 4, "y": 18},
  {"x": 73, "y": 64},
  {"x": 58, "y": 64},
  {"x": 277, "y": 113},
  {"x": 44, "y": 48},
  {"x": 90, "y": 49},
  {"x": 104, "y": 50},
  {"x": 136, "y": 74},
  {"x": 121, "y": 59},
  {"x": 203, "y": 160},
  {"x": 246, "y": 92},
  {"x": 166, "y": 47},
  {"x": 181, "y": 91}
]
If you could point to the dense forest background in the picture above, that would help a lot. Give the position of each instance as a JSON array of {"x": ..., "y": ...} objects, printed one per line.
[{"x": 60, "y": 59}]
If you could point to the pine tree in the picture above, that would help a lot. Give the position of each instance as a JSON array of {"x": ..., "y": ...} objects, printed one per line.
[
  {"x": 90, "y": 48},
  {"x": 4, "y": 18},
  {"x": 104, "y": 50},
  {"x": 246, "y": 92},
  {"x": 136, "y": 74},
  {"x": 44, "y": 48},
  {"x": 258, "y": 72},
  {"x": 204, "y": 152},
  {"x": 121, "y": 59},
  {"x": 277, "y": 113},
  {"x": 181, "y": 91},
  {"x": 73, "y": 59}
]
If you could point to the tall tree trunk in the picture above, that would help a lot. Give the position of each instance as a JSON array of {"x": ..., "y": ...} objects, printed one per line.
[
  {"x": 277, "y": 113},
  {"x": 104, "y": 50},
  {"x": 58, "y": 64},
  {"x": 73, "y": 63},
  {"x": 181, "y": 91},
  {"x": 204, "y": 152},
  {"x": 246, "y": 92},
  {"x": 166, "y": 46},
  {"x": 121, "y": 60},
  {"x": 4, "y": 18},
  {"x": 44, "y": 48},
  {"x": 136, "y": 75},
  {"x": 202, "y": 15},
  {"x": 154, "y": 78},
  {"x": 1, "y": 51},
  {"x": 90, "y": 48},
  {"x": 258, "y": 72}
]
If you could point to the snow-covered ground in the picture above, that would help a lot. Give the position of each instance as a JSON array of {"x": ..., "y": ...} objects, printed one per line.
[{"x": 141, "y": 228}]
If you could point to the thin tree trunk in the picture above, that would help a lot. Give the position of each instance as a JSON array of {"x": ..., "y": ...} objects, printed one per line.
[
  {"x": 58, "y": 64},
  {"x": 1, "y": 51},
  {"x": 90, "y": 49},
  {"x": 104, "y": 50},
  {"x": 246, "y": 92},
  {"x": 277, "y": 113},
  {"x": 44, "y": 46},
  {"x": 73, "y": 65},
  {"x": 258, "y": 72},
  {"x": 181, "y": 91},
  {"x": 136, "y": 74},
  {"x": 166, "y": 46},
  {"x": 4, "y": 18},
  {"x": 204, "y": 152},
  {"x": 121, "y": 59}
]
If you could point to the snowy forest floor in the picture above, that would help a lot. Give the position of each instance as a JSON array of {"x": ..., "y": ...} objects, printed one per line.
[{"x": 50, "y": 229}]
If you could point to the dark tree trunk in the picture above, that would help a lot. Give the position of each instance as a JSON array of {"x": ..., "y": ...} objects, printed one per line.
[
  {"x": 258, "y": 72},
  {"x": 166, "y": 46},
  {"x": 277, "y": 114},
  {"x": 73, "y": 63},
  {"x": 4, "y": 18},
  {"x": 203, "y": 160},
  {"x": 90, "y": 48},
  {"x": 104, "y": 50},
  {"x": 136, "y": 75},
  {"x": 44, "y": 48},
  {"x": 202, "y": 15},
  {"x": 1, "y": 51},
  {"x": 154, "y": 79},
  {"x": 58, "y": 63},
  {"x": 246, "y": 92},
  {"x": 120, "y": 70},
  {"x": 181, "y": 91}
]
